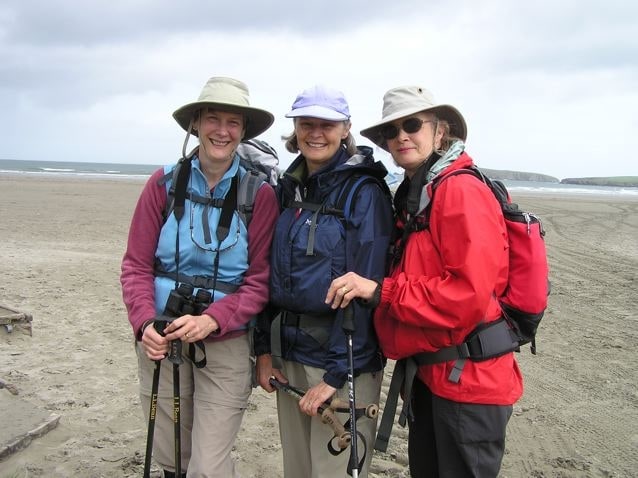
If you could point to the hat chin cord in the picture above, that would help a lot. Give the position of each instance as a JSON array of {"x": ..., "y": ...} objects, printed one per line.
[{"x": 188, "y": 135}]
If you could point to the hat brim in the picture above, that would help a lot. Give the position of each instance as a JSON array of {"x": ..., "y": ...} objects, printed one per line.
[
  {"x": 458, "y": 127},
  {"x": 257, "y": 120}
]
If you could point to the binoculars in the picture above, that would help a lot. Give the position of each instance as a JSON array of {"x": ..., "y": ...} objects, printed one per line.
[{"x": 181, "y": 301}]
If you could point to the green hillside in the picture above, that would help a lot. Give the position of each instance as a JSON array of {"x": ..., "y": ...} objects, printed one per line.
[
  {"x": 518, "y": 175},
  {"x": 618, "y": 181}
]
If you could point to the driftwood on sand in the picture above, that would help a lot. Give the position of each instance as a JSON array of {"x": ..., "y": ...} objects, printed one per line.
[{"x": 10, "y": 318}]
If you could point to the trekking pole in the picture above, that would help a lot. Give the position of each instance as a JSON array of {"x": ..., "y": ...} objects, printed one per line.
[
  {"x": 175, "y": 356},
  {"x": 159, "y": 326},
  {"x": 326, "y": 411},
  {"x": 151, "y": 420},
  {"x": 336, "y": 404},
  {"x": 348, "y": 329}
]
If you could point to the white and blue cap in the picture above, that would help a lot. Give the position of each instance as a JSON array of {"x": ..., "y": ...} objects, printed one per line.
[{"x": 320, "y": 102}]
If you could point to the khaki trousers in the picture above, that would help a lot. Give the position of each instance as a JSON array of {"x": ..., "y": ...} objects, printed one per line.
[
  {"x": 213, "y": 401},
  {"x": 304, "y": 439}
]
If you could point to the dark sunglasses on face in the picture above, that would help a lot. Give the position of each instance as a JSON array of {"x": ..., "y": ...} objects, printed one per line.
[{"x": 410, "y": 125}]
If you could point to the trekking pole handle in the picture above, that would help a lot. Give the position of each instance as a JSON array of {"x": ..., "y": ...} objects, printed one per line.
[{"x": 348, "y": 319}]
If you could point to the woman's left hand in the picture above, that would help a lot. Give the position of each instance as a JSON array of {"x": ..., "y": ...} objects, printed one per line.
[
  {"x": 348, "y": 287},
  {"x": 315, "y": 397},
  {"x": 191, "y": 328}
]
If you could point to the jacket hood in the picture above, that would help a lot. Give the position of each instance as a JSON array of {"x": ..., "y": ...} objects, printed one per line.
[{"x": 338, "y": 170}]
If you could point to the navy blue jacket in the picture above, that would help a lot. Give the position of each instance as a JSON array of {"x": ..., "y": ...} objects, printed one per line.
[{"x": 357, "y": 242}]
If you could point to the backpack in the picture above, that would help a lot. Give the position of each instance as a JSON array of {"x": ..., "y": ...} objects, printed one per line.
[
  {"x": 343, "y": 206},
  {"x": 260, "y": 161},
  {"x": 523, "y": 302},
  {"x": 525, "y": 298},
  {"x": 257, "y": 157},
  {"x": 260, "y": 167}
]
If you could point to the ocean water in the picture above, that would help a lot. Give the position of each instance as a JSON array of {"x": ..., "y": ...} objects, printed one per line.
[
  {"x": 77, "y": 170},
  {"x": 119, "y": 171}
]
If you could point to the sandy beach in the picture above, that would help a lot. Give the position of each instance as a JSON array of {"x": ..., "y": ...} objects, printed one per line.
[{"x": 61, "y": 245}]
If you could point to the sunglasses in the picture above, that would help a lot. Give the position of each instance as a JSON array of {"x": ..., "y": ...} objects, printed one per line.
[{"x": 410, "y": 126}]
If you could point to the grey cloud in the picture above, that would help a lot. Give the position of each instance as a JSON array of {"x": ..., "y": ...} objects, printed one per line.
[
  {"x": 66, "y": 77},
  {"x": 89, "y": 23},
  {"x": 564, "y": 36}
]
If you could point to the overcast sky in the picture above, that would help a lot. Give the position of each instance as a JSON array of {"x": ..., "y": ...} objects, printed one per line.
[{"x": 545, "y": 86}]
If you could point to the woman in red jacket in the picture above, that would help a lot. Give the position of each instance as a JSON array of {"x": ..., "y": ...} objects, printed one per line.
[{"x": 450, "y": 265}]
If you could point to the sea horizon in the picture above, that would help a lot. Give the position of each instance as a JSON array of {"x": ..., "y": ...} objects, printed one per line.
[{"x": 141, "y": 172}]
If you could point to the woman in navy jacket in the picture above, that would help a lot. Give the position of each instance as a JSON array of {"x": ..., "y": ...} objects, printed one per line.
[{"x": 311, "y": 248}]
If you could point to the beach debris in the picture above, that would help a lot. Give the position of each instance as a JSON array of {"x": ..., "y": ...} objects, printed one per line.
[
  {"x": 11, "y": 318},
  {"x": 9, "y": 386},
  {"x": 23, "y": 440}
]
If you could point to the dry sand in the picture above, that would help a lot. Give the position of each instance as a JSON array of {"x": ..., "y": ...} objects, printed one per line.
[{"x": 60, "y": 250}]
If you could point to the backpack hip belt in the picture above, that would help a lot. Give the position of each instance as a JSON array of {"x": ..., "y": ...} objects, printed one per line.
[
  {"x": 318, "y": 326},
  {"x": 487, "y": 341}
]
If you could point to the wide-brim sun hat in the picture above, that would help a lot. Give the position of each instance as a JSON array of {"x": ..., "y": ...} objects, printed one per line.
[
  {"x": 408, "y": 100},
  {"x": 229, "y": 95},
  {"x": 320, "y": 102}
]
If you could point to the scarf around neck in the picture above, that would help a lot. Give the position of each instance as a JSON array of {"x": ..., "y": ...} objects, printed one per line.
[{"x": 454, "y": 151}]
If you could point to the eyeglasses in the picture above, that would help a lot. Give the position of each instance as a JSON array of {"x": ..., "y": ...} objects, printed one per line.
[
  {"x": 410, "y": 126},
  {"x": 225, "y": 245}
]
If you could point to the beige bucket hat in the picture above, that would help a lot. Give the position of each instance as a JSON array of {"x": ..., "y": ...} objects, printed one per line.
[
  {"x": 408, "y": 100},
  {"x": 226, "y": 94}
]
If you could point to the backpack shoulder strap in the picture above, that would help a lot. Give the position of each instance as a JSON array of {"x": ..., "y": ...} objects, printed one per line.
[
  {"x": 350, "y": 189},
  {"x": 177, "y": 191},
  {"x": 247, "y": 192},
  {"x": 178, "y": 176},
  {"x": 474, "y": 171},
  {"x": 418, "y": 215}
]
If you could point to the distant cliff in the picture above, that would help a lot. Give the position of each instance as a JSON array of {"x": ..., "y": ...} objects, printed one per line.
[
  {"x": 618, "y": 181},
  {"x": 518, "y": 175}
]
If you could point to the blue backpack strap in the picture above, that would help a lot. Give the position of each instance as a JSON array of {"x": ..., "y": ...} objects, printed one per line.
[
  {"x": 350, "y": 190},
  {"x": 343, "y": 206}
]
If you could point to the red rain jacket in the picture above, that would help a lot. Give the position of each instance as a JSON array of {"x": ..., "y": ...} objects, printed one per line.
[{"x": 446, "y": 284}]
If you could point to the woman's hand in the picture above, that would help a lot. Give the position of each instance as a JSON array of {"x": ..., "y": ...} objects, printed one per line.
[
  {"x": 265, "y": 372},
  {"x": 191, "y": 328},
  {"x": 348, "y": 287},
  {"x": 315, "y": 397},
  {"x": 155, "y": 346}
]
